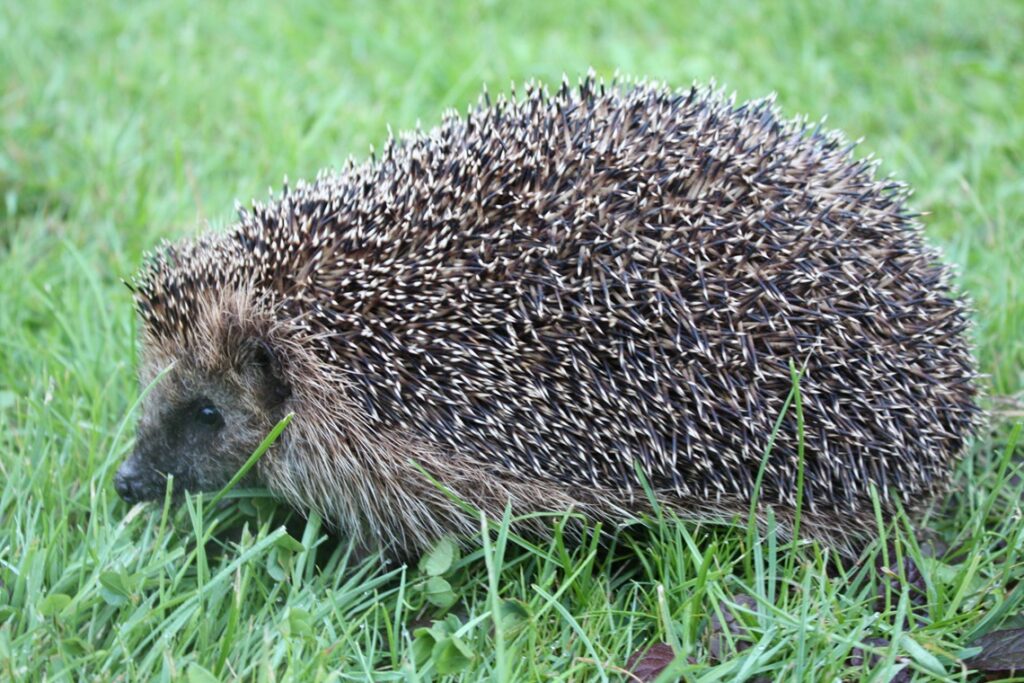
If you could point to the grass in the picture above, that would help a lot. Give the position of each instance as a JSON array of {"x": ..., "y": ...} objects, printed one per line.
[{"x": 126, "y": 122}]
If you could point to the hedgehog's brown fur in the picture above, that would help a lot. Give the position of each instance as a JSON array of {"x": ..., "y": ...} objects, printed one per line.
[{"x": 534, "y": 300}]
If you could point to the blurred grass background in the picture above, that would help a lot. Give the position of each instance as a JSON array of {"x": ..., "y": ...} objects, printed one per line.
[{"x": 126, "y": 122}]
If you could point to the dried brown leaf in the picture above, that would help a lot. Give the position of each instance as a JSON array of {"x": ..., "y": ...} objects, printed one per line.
[
  {"x": 646, "y": 665},
  {"x": 1001, "y": 652}
]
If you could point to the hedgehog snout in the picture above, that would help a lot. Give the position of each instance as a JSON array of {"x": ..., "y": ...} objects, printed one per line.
[
  {"x": 126, "y": 482},
  {"x": 134, "y": 483}
]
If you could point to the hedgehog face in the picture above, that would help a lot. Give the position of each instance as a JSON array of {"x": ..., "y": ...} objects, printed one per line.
[{"x": 199, "y": 424}]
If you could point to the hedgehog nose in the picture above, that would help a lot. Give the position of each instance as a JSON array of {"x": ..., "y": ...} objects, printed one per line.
[{"x": 126, "y": 482}]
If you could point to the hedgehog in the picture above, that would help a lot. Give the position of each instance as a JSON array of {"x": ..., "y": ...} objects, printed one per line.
[{"x": 598, "y": 299}]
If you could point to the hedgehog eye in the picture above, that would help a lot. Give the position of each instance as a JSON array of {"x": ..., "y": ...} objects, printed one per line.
[{"x": 208, "y": 415}]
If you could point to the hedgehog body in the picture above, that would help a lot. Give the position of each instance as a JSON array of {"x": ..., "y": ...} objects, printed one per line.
[{"x": 539, "y": 302}]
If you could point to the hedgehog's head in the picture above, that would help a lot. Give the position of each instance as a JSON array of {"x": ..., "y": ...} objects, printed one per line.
[{"x": 216, "y": 387}]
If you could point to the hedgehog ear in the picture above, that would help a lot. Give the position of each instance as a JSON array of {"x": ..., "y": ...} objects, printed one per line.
[{"x": 270, "y": 379}]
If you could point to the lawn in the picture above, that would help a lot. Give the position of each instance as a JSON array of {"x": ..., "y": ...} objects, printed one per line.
[{"x": 123, "y": 123}]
